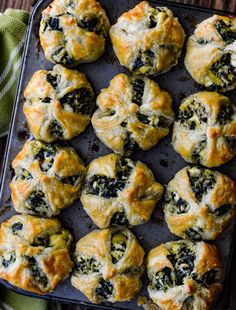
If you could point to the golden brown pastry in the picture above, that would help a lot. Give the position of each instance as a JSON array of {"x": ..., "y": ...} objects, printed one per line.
[
  {"x": 199, "y": 203},
  {"x": 211, "y": 53},
  {"x": 147, "y": 39},
  {"x": 119, "y": 191},
  {"x": 34, "y": 253},
  {"x": 47, "y": 179},
  {"x": 133, "y": 113},
  {"x": 205, "y": 129},
  {"x": 58, "y": 104},
  {"x": 184, "y": 275},
  {"x": 109, "y": 264},
  {"x": 73, "y": 31}
]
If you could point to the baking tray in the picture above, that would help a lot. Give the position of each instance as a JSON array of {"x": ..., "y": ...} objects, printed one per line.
[{"x": 162, "y": 159}]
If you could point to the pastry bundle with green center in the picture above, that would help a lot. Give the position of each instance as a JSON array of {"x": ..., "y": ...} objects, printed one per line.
[
  {"x": 147, "y": 39},
  {"x": 34, "y": 253},
  {"x": 119, "y": 191},
  {"x": 58, "y": 104},
  {"x": 199, "y": 203},
  {"x": 184, "y": 275},
  {"x": 133, "y": 113},
  {"x": 211, "y": 53},
  {"x": 205, "y": 129},
  {"x": 109, "y": 264},
  {"x": 73, "y": 31},
  {"x": 47, "y": 179}
]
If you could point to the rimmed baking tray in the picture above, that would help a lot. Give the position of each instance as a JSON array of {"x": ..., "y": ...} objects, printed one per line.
[{"x": 162, "y": 159}]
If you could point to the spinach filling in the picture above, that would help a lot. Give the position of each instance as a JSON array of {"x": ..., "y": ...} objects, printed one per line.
[
  {"x": 45, "y": 154},
  {"x": 143, "y": 62},
  {"x": 222, "y": 210},
  {"x": 118, "y": 246},
  {"x": 154, "y": 120},
  {"x": 104, "y": 289},
  {"x": 192, "y": 114},
  {"x": 55, "y": 129},
  {"x": 87, "y": 265},
  {"x": 43, "y": 241},
  {"x": 37, "y": 203},
  {"x": 175, "y": 204},
  {"x": 203, "y": 41},
  {"x": 138, "y": 86},
  {"x": 52, "y": 79},
  {"x": 80, "y": 100},
  {"x": 46, "y": 100},
  {"x": 16, "y": 227},
  {"x": 61, "y": 56},
  {"x": 119, "y": 218},
  {"x": 92, "y": 24},
  {"x": 130, "y": 144},
  {"x": 103, "y": 186},
  {"x": 202, "y": 181},
  {"x": 226, "y": 114},
  {"x": 72, "y": 180},
  {"x": 8, "y": 259},
  {"x": 226, "y": 31},
  {"x": 182, "y": 259},
  {"x": 222, "y": 72},
  {"x": 197, "y": 152},
  {"x": 23, "y": 174},
  {"x": 194, "y": 233},
  {"x": 54, "y": 24},
  {"x": 37, "y": 273}
]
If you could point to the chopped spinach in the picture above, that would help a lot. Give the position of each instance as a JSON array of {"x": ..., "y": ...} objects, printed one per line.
[
  {"x": 202, "y": 181},
  {"x": 226, "y": 113},
  {"x": 203, "y": 41},
  {"x": 41, "y": 241},
  {"x": 87, "y": 265},
  {"x": 154, "y": 120},
  {"x": 143, "y": 62},
  {"x": 196, "y": 153},
  {"x": 194, "y": 233},
  {"x": 130, "y": 144},
  {"x": 226, "y": 30},
  {"x": 162, "y": 280},
  {"x": 52, "y": 79},
  {"x": 80, "y": 100},
  {"x": 54, "y": 24},
  {"x": 175, "y": 204},
  {"x": 8, "y": 260},
  {"x": 46, "y": 100},
  {"x": 45, "y": 154},
  {"x": 55, "y": 129},
  {"x": 37, "y": 203},
  {"x": 61, "y": 56},
  {"x": 119, "y": 218},
  {"x": 224, "y": 73},
  {"x": 103, "y": 186},
  {"x": 16, "y": 227},
  {"x": 118, "y": 246},
  {"x": 104, "y": 289},
  {"x": 92, "y": 24},
  {"x": 23, "y": 174},
  {"x": 37, "y": 273},
  {"x": 138, "y": 86},
  {"x": 222, "y": 210}
]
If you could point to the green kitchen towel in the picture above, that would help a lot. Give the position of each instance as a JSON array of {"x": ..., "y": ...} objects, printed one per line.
[{"x": 13, "y": 24}]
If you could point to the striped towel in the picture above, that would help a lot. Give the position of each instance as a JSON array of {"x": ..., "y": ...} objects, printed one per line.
[{"x": 13, "y": 24}]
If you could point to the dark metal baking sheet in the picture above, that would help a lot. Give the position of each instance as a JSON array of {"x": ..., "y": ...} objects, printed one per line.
[{"x": 162, "y": 159}]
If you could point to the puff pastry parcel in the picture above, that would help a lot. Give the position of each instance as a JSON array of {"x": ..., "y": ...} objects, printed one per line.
[
  {"x": 133, "y": 113},
  {"x": 47, "y": 178},
  {"x": 205, "y": 130},
  {"x": 199, "y": 203},
  {"x": 73, "y": 31},
  {"x": 184, "y": 275},
  {"x": 109, "y": 264},
  {"x": 147, "y": 39},
  {"x": 119, "y": 191},
  {"x": 34, "y": 253},
  {"x": 211, "y": 53},
  {"x": 58, "y": 104}
]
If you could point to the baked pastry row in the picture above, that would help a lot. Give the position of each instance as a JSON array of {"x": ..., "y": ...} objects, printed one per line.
[
  {"x": 35, "y": 256},
  {"x": 147, "y": 40}
]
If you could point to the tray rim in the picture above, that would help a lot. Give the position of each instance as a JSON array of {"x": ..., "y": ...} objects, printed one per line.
[{"x": 225, "y": 294}]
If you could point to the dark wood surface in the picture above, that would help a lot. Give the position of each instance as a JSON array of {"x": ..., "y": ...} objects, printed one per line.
[{"x": 227, "y": 5}]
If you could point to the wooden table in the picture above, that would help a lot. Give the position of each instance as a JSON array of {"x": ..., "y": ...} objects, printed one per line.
[{"x": 227, "y": 5}]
